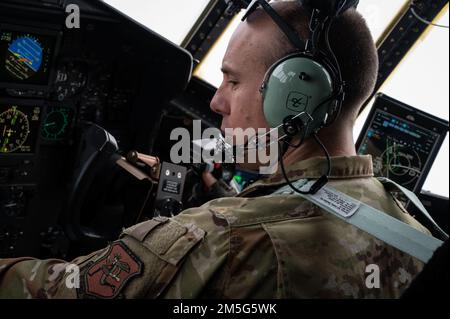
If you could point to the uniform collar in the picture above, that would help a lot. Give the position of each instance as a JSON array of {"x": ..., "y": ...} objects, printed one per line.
[{"x": 342, "y": 167}]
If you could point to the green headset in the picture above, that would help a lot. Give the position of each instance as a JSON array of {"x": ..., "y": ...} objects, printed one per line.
[{"x": 304, "y": 91}]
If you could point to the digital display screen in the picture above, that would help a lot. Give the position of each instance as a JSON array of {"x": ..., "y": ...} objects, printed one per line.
[
  {"x": 400, "y": 149},
  {"x": 25, "y": 58},
  {"x": 19, "y": 127}
]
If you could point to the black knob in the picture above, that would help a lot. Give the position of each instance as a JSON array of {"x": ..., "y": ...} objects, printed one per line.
[{"x": 170, "y": 207}]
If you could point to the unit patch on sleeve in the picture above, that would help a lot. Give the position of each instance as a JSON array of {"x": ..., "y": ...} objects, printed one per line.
[{"x": 106, "y": 277}]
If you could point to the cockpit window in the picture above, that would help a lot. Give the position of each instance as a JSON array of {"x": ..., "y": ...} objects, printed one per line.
[
  {"x": 173, "y": 19},
  {"x": 378, "y": 15},
  {"x": 422, "y": 81},
  {"x": 209, "y": 69}
]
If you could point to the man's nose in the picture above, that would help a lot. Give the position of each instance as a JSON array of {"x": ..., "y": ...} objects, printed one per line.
[{"x": 218, "y": 104}]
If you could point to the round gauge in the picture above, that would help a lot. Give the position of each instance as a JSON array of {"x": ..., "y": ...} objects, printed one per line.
[
  {"x": 56, "y": 123},
  {"x": 14, "y": 130}
]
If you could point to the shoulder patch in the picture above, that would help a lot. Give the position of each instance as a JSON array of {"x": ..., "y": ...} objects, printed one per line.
[
  {"x": 161, "y": 239},
  {"x": 173, "y": 241},
  {"x": 166, "y": 238},
  {"x": 140, "y": 231},
  {"x": 184, "y": 244},
  {"x": 107, "y": 276}
]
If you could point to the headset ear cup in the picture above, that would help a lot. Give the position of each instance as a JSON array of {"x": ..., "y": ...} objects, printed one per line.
[{"x": 297, "y": 84}]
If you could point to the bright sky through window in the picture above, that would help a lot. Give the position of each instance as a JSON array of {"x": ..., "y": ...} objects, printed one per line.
[{"x": 173, "y": 19}]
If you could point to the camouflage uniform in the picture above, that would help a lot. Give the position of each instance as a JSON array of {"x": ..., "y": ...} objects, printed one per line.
[{"x": 256, "y": 245}]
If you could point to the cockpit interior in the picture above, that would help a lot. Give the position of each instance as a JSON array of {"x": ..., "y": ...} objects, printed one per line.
[{"x": 82, "y": 102}]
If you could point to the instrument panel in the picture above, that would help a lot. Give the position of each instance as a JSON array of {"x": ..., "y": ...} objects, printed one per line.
[{"x": 56, "y": 82}]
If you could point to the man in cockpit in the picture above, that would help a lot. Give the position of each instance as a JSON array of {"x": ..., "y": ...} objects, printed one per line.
[{"x": 257, "y": 244}]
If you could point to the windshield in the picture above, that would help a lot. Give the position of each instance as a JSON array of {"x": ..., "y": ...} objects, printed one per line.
[
  {"x": 378, "y": 15},
  {"x": 422, "y": 81},
  {"x": 173, "y": 19}
]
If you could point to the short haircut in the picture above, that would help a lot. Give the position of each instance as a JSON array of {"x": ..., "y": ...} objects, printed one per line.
[{"x": 351, "y": 42}]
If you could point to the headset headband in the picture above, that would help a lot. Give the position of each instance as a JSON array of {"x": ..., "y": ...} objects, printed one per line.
[
  {"x": 291, "y": 34},
  {"x": 326, "y": 8},
  {"x": 330, "y": 7}
]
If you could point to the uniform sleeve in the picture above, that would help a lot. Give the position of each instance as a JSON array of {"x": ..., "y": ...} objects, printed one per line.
[
  {"x": 179, "y": 255},
  {"x": 141, "y": 264},
  {"x": 29, "y": 278}
]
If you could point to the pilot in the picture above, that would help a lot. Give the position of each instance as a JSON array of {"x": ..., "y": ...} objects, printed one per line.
[{"x": 257, "y": 244}]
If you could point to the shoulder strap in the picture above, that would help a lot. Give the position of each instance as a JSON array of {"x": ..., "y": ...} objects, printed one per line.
[
  {"x": 389, "y": 184},
  {"x": 380, "y": 225}
]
